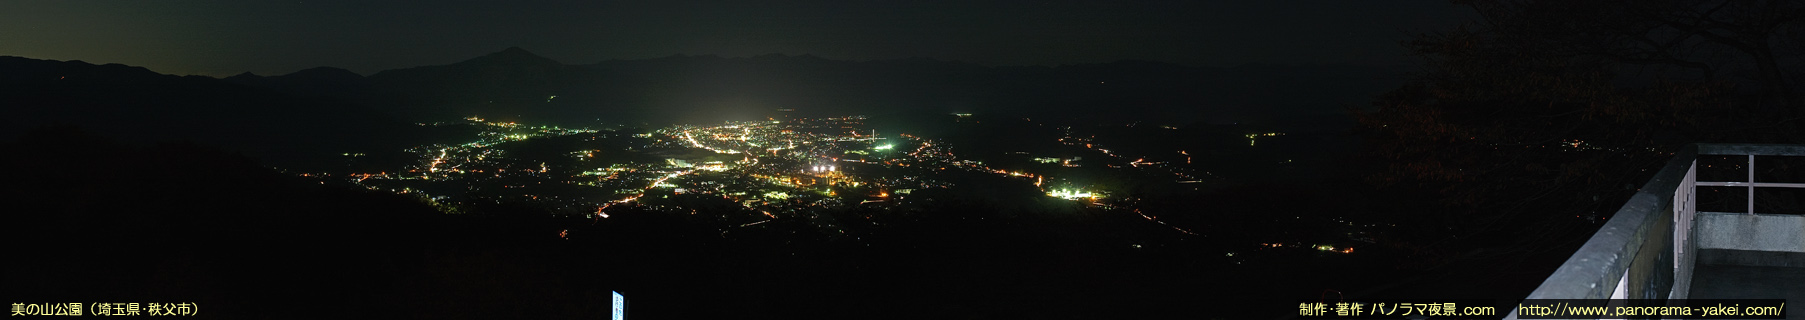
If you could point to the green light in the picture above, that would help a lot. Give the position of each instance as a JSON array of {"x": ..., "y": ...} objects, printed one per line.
[{"x": 883, "y": 147}]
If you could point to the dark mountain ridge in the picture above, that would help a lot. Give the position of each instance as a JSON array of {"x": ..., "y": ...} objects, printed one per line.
[
  {"x": 515, "y": 83},
  {"x": 333, "y": 82},
  {"x": 299, "y": 117},
  {"x": 137, "y": 106}
]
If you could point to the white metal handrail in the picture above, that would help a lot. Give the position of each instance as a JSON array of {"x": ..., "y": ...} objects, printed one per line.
[{"x": 1602, "y": 266}]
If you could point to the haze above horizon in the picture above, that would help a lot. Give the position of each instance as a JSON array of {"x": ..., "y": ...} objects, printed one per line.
[{"x": 223, "y": 38}]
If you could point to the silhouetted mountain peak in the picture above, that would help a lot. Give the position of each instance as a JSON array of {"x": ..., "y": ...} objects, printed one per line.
[
  {"x": 323, "y": 75},
  {"x": 671, "y": 58},
  {"x": 249, "y": 79},
  {"x": 324, "y": 81},
  {"x": 336, "y": 72},
  {"x": 17, "y": 69},
  {"x": 513, "y": 56},
  {"x": 779, "y": 57},
  {"x": 127, "y": 68},
  {"x": 247, "y": 75}
]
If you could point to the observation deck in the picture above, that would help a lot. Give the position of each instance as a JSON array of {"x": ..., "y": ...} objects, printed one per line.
[{"x": 1661, "y": 246}]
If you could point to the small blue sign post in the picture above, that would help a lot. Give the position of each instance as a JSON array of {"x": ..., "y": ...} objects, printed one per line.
[{"x": 620, "y": 306}]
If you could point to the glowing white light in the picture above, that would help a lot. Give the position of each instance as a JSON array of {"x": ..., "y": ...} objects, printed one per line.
[{"x": 1070, "y": 194}]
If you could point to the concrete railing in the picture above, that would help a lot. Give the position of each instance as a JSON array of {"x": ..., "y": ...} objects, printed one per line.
[
  {"x": 1751, "y": 238},
  {"x": 1648, "y": 249}
]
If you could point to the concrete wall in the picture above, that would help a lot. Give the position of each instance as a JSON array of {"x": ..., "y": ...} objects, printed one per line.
[
  {"x": 1742, "y": 231},
  {"x": 1750, "y": 239}
]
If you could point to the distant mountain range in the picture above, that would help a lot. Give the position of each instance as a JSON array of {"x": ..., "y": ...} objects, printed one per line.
[
  {"x": 515, "y": 83},
  {"x": 135, "y": 105},
  {"x": 329, "y": 110}
]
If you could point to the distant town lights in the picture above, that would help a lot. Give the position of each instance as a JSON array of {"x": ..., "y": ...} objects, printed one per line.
[{"x": 1070, "y": 194}]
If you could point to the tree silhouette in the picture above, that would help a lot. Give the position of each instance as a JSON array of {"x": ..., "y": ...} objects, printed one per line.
[{"x": 1543, "y": 114}]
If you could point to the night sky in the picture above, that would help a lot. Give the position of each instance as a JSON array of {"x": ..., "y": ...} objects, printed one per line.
[{"x": 225, "y": 37}]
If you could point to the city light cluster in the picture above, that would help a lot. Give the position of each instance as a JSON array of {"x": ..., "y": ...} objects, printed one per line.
[{"x": 1070, "y": 194}]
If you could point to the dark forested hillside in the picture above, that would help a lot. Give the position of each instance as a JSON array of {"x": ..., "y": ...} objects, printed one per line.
[{"x": 138, "y": 106}]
